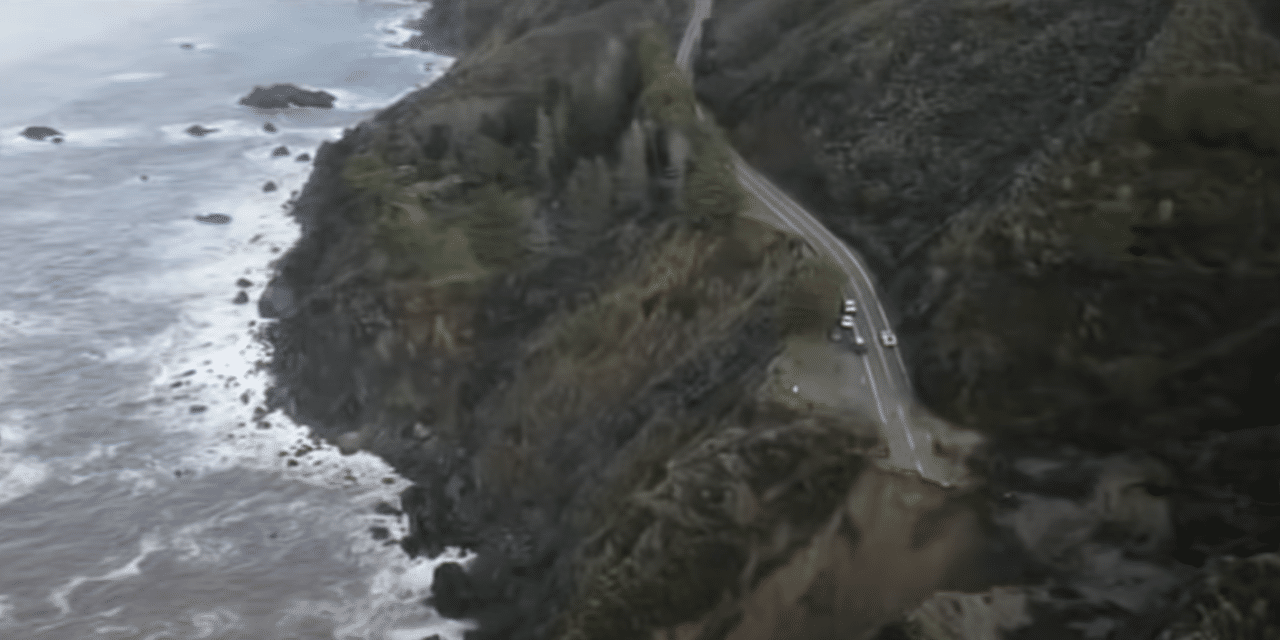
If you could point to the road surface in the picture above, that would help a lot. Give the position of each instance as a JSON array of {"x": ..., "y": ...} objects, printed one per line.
[{"x": 910, "y": 445}]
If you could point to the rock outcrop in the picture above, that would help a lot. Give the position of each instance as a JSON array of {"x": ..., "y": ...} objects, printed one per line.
[
  {"x": 39, "y": 133},
  {"x": 531, "y": 288},
  {"x": 283, "y": 96}
]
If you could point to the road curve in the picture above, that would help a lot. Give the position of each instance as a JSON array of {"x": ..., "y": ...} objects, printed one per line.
[{"x": 910, "y": 447}]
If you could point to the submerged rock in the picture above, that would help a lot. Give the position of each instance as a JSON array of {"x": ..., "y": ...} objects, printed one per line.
[
  {"x": 214, "y": 218},
  {"x": 199, "y": 131},
  {"x": 39, "y": 133},
  {"x": 283, "y": 96}
]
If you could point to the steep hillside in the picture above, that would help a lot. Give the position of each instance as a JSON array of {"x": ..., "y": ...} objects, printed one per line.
[{"x": 530, "y": 286}]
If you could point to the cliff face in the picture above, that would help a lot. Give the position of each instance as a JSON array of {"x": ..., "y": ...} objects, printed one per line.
[{"x": 530, "y": 288}]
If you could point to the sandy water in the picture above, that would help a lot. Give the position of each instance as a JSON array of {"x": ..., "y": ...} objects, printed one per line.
[{"x": 140, "y": 495}]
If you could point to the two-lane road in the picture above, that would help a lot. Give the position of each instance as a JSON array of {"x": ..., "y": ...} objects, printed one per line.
[{"x": 910, "y": 446}]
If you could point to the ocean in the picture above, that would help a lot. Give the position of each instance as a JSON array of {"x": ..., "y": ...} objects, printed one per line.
[{"x": 143, "y": 491}]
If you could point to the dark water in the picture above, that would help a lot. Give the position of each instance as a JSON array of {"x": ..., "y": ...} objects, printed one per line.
[{"x": 138, "y": 500}]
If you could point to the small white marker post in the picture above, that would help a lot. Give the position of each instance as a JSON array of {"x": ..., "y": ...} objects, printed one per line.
[{"x": 795, "y": 388}]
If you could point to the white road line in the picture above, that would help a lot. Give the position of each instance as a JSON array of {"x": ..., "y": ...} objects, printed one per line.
[
  {"x": 795, "y": 218},
  {"x": 875, "y": 391}
]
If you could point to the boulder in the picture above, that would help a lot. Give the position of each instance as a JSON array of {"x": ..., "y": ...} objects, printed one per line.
[
  {"x": 283, "y": 96},
  {"x": 39, "y": 133}
]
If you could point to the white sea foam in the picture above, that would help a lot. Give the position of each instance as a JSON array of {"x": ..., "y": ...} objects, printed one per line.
[
  {"x": 135, "y": 76},
  {"x": 59, "y": 596},
  {"x": 15, "y": 144},
  {"x": 19, "y": 476},
  {"x": 216, "y": 340},
  {"x": 6, "y": 611},
  {"x": 392, "y": 609}
]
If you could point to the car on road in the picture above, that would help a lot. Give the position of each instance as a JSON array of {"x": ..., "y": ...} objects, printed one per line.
[
  {"x": 846, "y": 321},
  {"x": 887, "y": 338},
  {"x": 850, "y": 306},
  {"x": 858, "y": 344}
]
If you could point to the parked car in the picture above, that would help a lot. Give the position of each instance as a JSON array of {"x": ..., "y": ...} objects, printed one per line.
[
  {"x": 887, "y": 338},
  {"x": 850, "y": 306},
  {"x": 859, "y": 344},
  {"x": 846, "y": 321}
]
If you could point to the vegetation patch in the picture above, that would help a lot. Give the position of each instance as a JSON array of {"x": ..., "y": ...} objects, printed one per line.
[
  {"x": 658, "y": 311},
  {"x": 703, "y": 530}
]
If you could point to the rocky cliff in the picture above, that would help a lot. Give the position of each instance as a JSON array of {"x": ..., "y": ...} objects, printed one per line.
[{"x": 530, "y": 287}]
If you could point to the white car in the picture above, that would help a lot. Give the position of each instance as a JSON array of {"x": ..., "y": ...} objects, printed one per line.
[
  {"x": 887, "y": 338},
  {"x": 846, "y": 321},
  {"x": 859, "y": 343},
  {"x": 850, "y": 306}
]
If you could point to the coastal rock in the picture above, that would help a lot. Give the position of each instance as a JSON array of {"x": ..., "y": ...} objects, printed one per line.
[
  {"x": 199, "y": 131},
  {"x": 303, "y": 157},
  {"x": 241, "y": 298},
  {"x": 39, "y": 133},
  {"x": 214, "y": 218},
  {"x": 269, "y": 128},
  {"x": 280, "y": 151},
  {"x": 283, "y": 96},
  {"x": 350, "y": 442},
  {"x": 276, "y": 302},
  {"x": 269, "y": 186}
]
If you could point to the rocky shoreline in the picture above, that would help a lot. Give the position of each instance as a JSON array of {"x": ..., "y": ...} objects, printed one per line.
[{"x": 508, "y": 288}]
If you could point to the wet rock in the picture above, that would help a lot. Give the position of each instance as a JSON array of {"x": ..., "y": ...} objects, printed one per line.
[
  {"x": 269, "y": 187},
  {"x": 350, "y": 442},
  {"x": 277, "y": 301},
  {"x": 280, "y": 151},
  {"x": 283, "y": 96},
  {"x": 244, "y": 282},
  {"x": 39, "y": 133},
  {"x": 241, "y": 298},
  {"x": 384, "y": 509},
  {"x": 199, "y": 131},
  {"x": 452, "y": 591},
  {"x": 269, "y": 128},
  {"x": 214, "y": 218},
  {"x": 303, "y": 157}
]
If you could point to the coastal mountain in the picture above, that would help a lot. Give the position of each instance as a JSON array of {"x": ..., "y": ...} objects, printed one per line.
[{"x": 532, "y": 287}]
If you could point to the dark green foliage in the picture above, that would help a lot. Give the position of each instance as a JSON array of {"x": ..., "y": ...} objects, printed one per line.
[
  {"x": 496, "y": 228},
  {"x": 810, "y": 299}
]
